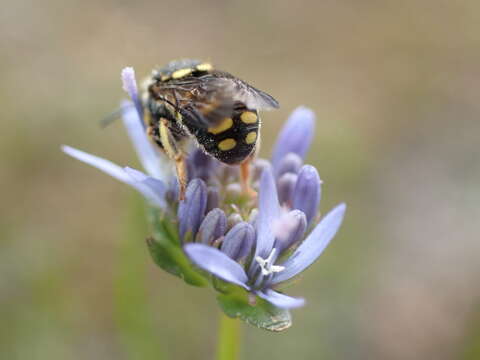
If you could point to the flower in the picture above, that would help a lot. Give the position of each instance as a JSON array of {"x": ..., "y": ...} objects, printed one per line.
[
  {"x": 256, "y": 245},
  {"x": 266, "y": 271}
]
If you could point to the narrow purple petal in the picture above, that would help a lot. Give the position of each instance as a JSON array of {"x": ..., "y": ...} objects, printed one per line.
[
  {"x": 306, "y": 195},
  {"x": 149, "y": 156},
  {"x": 130, "y": 86},
  {"x": 268, "y": 213},
  {"x": 152, "y": 188},
  {"x": 280, "y": 300},
  {"x": 191, "y": 211},
  {"x": 213, "y": 226},
  {"x": 238, "y": 241},
  {"x": 102, "y": 164},
  {"x": 295, "y": 136},
  {"x": 217, "y": 263},
  {"x": 313, "y": 246}
]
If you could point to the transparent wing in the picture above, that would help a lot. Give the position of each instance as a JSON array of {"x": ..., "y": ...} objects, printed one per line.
[{"x": 208, "y": 99}]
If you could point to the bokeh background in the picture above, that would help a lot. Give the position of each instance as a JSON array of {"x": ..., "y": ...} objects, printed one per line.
[{"x": 395, "y": 86}]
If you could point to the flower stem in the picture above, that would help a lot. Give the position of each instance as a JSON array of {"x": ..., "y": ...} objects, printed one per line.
[{"x": 228, "y": 338}]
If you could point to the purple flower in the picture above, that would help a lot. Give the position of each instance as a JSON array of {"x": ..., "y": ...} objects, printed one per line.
[
  {"x": 255, "y": 245},
  {"x": 267, "y": 269}
]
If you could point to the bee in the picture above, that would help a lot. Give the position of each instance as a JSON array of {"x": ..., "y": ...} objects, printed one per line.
[{"x": 189, "y": 99}]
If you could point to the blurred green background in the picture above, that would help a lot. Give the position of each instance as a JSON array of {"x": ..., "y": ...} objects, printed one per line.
[{"x": 395, "y": 86}]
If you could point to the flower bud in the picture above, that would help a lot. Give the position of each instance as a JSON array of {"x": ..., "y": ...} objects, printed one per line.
[
  {"x": 296, "y": 135},
  {"x": 192, "y": 210},
  {"x": 286, "y": 186},
  {"x": 239, "y": 241},
  {"x": 201, "y": 164},
  {"x": 290, "y": 163},
  {"x": 306, "y": 195},
  {"x": 290, "y": 230},
  {"x": 257, "y": 167},
  {"x": 213, "y": 227},
  {"x": 213, "y": 198}
]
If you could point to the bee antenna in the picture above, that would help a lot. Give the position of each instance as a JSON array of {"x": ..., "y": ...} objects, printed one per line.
[{"x": 110, "y": 118}]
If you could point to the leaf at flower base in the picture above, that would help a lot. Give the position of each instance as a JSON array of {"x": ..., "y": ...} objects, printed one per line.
[
  {"x": 166, "y": 252},
  {"x": 262, "y": 315}
]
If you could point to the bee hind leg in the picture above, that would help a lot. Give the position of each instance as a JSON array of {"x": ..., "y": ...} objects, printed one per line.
[
  {"x": 176, "y": 154},
  {"x": 245, "y": 178}
]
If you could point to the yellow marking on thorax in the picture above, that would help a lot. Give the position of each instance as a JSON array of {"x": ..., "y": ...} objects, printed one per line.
[
  {"x": 227, "y": 144},
  {"x": 165, "y": 77},
  {"x": 251, "y": 137},
  {"x": 204, "y": 67},
  {"x": 226, "y": 124},
  {"x": 248, "y": 117},
  {"x": 181, "y": 73}
]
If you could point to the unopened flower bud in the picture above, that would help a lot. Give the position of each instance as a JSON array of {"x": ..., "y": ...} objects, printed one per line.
[
  {"x": 290, "y": 230},
  {"x": 286, "y": 186},
  {"x": 213, "y": 227},
  {"x": 239, "y": 241},
  {"x": 192, "y": 210},
  {"x": 306, "y": 195},
  {"x": 290, "y": 163},
  {"x": 213, "y": 198}
]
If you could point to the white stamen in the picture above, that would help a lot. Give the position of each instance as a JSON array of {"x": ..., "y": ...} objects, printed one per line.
[{"x": 267, "y": 264}]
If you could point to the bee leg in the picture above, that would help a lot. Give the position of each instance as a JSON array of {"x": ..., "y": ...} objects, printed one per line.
[
  {"x": 174, "y": 153},
  {"x": 245, "y": 178}
]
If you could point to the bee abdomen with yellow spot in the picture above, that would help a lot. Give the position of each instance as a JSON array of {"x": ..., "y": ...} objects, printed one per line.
[{"x": 233, "y": 139}]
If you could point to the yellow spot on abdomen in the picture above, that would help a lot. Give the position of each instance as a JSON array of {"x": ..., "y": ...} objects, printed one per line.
[
  {"x": 204, "y": 67},
  {"x": 248, "y": 117},
  {"x": 226, "y": 124},
  {"x": 251, "y": 137},
  {"x": 227, "y": 144},
  {"x": 181, "y": 73}
]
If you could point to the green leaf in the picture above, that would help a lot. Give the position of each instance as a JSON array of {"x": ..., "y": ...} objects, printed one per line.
[
  {"x": 166, "y": 251},
  {"x": 262, "y": 314}
]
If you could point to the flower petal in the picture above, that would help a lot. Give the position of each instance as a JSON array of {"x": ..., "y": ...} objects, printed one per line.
[
  {"x": 312, "y": 246},
  {"x": 150, "y": 159},
  {"x": 152, "y": 191},
  {"x": 217, "y": 263},
  {"x": 295, "y": 136},
  {"x": 130, "y": 86},
  {"x": 280, "y": 300},
  {"x": 102, "y": 164},
  {"x": 268, "y": 213},
  {"x": 152, "y": 188},
  {"x": 307, "y": 192}
]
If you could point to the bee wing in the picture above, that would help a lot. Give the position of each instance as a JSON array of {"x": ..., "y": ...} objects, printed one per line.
[
  {"x": 206, "y": 100},
  {"x": 240, "y": 91}
]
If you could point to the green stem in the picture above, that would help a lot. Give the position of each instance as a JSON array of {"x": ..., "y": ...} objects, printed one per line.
[{"x": 228, "y": 338}]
